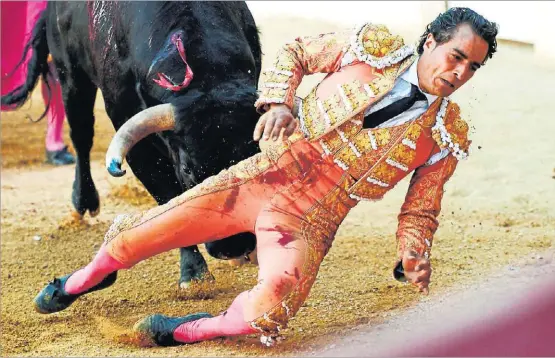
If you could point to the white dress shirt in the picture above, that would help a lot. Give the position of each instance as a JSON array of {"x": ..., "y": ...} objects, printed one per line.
[{"x": 400, "y": 90}]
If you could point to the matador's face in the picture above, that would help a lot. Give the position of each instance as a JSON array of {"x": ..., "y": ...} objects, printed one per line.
[{"x": 444, "y": 68}]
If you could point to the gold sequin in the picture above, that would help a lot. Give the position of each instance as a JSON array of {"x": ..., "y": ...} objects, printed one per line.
[{"x": 333, "y": 140}]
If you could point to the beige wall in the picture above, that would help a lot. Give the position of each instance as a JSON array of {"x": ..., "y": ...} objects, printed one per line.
[
  {"x": 398, "y": 15},
  {"x": 524, "y": 21},
  {"x": 518, "y": 20},
  {"x": 544, "y": 39},
  {"x": 429, "y": 10}
]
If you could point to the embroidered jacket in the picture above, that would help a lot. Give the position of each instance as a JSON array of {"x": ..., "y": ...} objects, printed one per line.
[{"x": 362, "y": 67}]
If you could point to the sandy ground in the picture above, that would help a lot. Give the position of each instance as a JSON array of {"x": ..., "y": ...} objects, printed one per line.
[
  {"x": 498, "y": 209},
  {"x": 508, "y": 295}
]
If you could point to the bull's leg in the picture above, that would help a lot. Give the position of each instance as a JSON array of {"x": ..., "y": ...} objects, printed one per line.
[
  {"x": 79, "y": 94},
  {"x": 192, "y": 262},
  {"x": 193, "y": 266}
]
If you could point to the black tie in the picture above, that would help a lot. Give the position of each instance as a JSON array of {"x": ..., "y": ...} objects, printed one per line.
[{"x": 394, "y": 109}]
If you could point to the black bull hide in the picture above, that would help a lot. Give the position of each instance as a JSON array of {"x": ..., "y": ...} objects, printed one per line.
[{"x": 128, "y": 50}]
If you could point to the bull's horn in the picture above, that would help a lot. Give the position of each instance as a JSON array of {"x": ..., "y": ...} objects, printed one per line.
[{"x": 151, "y": 120}]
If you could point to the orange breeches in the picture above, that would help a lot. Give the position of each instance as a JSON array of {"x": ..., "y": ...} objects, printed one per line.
[{"x": 292, "y": 197}]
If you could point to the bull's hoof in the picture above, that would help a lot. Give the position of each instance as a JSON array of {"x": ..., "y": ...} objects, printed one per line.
[
  {"x": 54, "y": 298},
  {"x": 238, "y": 262},
  {"x": 95, "y": 212},
  {"x": 86, "y": 202},
  {"x": 159, "y": 328},
  {"x": 185, "y": 284},
  {"x": 193, "y": 267}
]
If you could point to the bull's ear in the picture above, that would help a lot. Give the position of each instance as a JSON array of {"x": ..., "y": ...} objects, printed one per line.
[{"x": 168, "y": 60}]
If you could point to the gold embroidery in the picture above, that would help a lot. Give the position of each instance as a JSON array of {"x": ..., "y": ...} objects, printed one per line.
[
  {"x": 339, "y": 108},
  {"x": 312, "y": 120},
  {"x": 403, "y": 154},
  {"x": 378, "y": 41},
  {"x": 333, "y": 140},
  {"x": 380, "y": 85},
  {"x": 273, "y": 77},
  {"x": 383, "y": 136},
  {"x": 306, "y": 55},
  {"x": 335, "y": 109},
  {"x": 369, "y": 191},
  {"x": 360, "y": 165},
  {"x": 418, "y": 216},
  {"x": 274, "y": 92},
  {"x": 384, "y": 173},
  {"x": 457, "y": 128},
  {"x": 356, "y": 94},
  {"x": 389, "y": 146},
  {"x": 284, "y": 61}
]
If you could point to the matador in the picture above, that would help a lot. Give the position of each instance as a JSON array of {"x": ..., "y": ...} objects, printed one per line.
[{"x": 381, "y": 113}]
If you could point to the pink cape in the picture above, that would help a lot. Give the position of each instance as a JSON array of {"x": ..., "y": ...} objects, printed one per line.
[{"x": 17, "y": 21}]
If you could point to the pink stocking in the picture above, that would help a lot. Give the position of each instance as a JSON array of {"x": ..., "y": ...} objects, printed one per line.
[
  {"x": 91, "y": 275},
  {"x": 229, "y": 323}
]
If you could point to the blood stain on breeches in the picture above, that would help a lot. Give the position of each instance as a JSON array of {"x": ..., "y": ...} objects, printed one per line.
[
  {"x": 283, "y": 286},
  {"x": 296, "y": 274},
  {"x": 231, "y": 199}
]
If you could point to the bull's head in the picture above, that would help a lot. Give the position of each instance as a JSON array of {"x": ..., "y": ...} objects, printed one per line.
[
  {"x": 207, "y": 121},
  {"x": 207, "y": 131}
]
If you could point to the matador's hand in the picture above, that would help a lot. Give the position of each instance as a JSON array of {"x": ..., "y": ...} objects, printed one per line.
[
  {"x": 417, "y": 270},
  {"x": 272, "y": 122}
]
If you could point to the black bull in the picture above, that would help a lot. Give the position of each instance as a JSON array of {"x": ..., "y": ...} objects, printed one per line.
[{"x": 201, "y": 59}]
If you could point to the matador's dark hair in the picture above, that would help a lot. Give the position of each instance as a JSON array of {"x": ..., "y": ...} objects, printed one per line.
[{"x": 445, "y": 25}]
